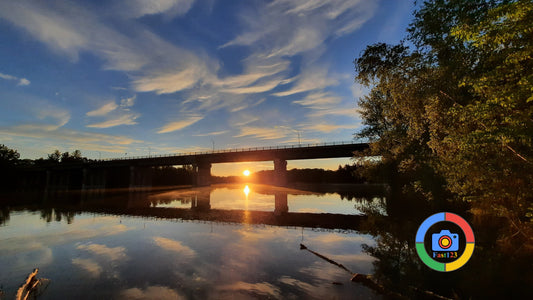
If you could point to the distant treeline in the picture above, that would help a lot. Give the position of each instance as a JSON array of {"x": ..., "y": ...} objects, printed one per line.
[
  {"x": 170, "y": 175},
  {"x": 344, "y": 174},
  {"x": 27, "y": 174}
]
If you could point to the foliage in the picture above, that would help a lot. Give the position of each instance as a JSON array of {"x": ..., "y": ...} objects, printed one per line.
[
  {"x": 8, "y": 156},
  {"x": 66, "y": 157},
  {"x": 54, "y": 156},
  {"x": 344, "y": 174},
  {"x": 456, "y": 112}
]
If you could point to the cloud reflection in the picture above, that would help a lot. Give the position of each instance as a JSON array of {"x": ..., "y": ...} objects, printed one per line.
[
  {"x": 151, "y": 292},
  {"x": 175, "y": 246},
  {"x": 261, "y": 288},
  {"x": 112, "y": 254},
  {"x": 92, "y": 267}
]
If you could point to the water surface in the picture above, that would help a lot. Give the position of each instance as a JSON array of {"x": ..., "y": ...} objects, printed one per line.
[{"x": 88, "y": 252}]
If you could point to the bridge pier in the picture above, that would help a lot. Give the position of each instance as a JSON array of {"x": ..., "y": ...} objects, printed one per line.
[
  {"x": 280, "y": 172},
  {"x": 281, "y": 204},
  {"x": 203, "y": 176},
  {"x": 201, "y": 201}
]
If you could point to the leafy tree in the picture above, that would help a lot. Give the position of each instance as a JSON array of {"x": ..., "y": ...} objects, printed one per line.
[
  {"x": 8, "y": 156},
  {"x": 54, "y": 156},
  {"x": 455, "y": 112},
  {"x": 65, "y": 157},
  {"x": 76, "y": 155}
]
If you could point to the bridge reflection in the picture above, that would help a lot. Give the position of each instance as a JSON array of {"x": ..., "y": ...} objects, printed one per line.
[{"x": 197, "y": 204}]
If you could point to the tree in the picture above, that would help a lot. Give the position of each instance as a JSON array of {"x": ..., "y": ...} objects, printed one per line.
[
  {"x": 457, "y": 109},
  {"x": 54, "y": 156},
  {"x": 65, "y": 157},
  {"x": 8, "y": 156}
]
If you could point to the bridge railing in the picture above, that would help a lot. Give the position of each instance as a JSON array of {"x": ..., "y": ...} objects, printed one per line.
[{"x": 235, "y": 150}]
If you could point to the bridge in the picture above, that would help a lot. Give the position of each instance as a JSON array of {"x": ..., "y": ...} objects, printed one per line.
[{"x": 95, "y": 173}]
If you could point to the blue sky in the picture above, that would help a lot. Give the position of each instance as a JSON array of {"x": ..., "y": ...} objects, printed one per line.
[{"x": 139, "y": 77}]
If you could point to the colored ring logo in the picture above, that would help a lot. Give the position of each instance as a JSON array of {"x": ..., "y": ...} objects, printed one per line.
[{"x": 445, "y": 242}]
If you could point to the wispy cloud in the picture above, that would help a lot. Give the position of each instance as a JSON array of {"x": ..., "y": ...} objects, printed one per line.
[
  {"x": 124, "y": 119},
  {"x": 53, "y": 137},
  {"x": 344, "y": 110},
  {"x": 313, "y": 78},
  {"x": 21, "y": 81},
  {"x": 140, "y": 8},
  {"x": 300, "y": 25},
  {"x": 327, "y": 128},
  {"x": 178, "y": 125},
  {"x": 53, "y": 117},
  {"x": 326, "y": 104},
  {"x": 263, "y": 133},
  {"x": 103, "y": 110},
  {"x": 114, "y": 114},
  {"x": 69, "y": 29},
  {"x": 255, "y": 88},
  {"x": 320, "y": 100},
  {"x": 212, "y": 133}
]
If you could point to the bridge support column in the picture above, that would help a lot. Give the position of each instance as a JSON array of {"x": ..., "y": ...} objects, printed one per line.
[
  {"x": 203, "y": 176},
  {"x": 201, "y": 201},
  {"x": 280, "y": 172}
]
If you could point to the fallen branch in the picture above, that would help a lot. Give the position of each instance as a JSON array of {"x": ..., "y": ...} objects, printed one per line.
[
  {"x": 303, "y": 247},
  {"x": 366, "y": 280},
  {"x": 370, "y": 282},
  {"x": 32, "y": 286}
]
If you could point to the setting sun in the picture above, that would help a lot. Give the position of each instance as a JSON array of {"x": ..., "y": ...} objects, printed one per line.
[{"x": 246, "y": 173}]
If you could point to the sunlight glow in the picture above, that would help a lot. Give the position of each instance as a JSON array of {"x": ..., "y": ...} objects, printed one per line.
[
  {"x": 246, "y": 173},
  {"x": 246, "y": 191}
]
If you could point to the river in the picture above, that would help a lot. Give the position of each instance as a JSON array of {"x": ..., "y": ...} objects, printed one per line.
[
  {"x": 242, "y": 241},
  {"x": 204, "y": 248}
]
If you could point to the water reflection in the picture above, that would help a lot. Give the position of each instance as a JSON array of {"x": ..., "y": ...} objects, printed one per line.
[
  {"x": 218, "y": 243},
  {"x": 259, "y": 197},
  {"x": 246, "y": 192},
  {"x": 128, "y": 257}
]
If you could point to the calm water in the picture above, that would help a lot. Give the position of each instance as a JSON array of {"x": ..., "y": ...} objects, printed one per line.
[
  {"x": 131, "y": 247},
  {"x": 242, "y": 242}
]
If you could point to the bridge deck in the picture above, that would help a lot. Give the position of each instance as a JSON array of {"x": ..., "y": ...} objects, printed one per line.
[{"x": 294, "y": 152}]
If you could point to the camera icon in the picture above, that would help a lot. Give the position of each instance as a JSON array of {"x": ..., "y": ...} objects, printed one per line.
[{"x": 445, "y": 241}]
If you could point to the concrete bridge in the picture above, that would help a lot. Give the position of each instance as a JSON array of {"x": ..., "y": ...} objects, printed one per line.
[{"x": 95, "y": 174}]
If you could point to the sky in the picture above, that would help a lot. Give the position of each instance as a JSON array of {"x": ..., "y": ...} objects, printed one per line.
[{"x": 131, "y": 77}]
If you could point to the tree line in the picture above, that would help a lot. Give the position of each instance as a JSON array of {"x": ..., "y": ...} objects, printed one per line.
[
  {"x": 450, "y": 109},
  {"x": 344, "y": 174}
]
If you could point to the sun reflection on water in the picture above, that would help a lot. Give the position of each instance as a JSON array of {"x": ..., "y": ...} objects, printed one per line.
[{"x": 246, "y": 191}]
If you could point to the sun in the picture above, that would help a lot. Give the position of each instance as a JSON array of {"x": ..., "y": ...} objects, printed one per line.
[{"x": 246, "y": 173}]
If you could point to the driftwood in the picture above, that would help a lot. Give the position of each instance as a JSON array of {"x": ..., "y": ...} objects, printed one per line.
[
  {"x": 371, "y": 283},
  {"x": 31, "y": 287}
]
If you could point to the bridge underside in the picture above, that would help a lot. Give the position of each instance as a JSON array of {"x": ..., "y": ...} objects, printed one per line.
[{"x": 137, "y": 173}]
